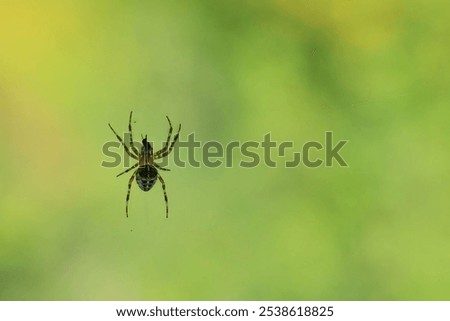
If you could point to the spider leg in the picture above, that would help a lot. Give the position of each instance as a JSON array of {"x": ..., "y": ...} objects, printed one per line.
[
  {"x": 129, "y": 190},
  {"x": 161, "y": 168},
  {"x": 123, "y": 144},
  {"x": 166, "y": 144},
  {"x": 128, "y": 169},
  {"x": 163, "y": 153},
  {"x": 135, "y": 150},
  {"x": 169, "y": 135},
  {"x": 165, "y": 195}
]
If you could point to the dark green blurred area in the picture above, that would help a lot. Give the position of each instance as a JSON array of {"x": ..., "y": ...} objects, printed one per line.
[{"x": 375, "y": 73}]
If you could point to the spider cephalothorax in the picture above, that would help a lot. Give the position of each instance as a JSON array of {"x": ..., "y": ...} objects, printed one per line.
[{"x": 146, "y": 173}]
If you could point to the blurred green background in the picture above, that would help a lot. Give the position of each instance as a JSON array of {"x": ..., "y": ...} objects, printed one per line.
[{"x": 375, "y": 73}]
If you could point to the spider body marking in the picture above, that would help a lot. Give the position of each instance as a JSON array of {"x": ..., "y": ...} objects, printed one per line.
[
  {"x": 146, "y": 173},
  {"x": 146, "y": 177}
]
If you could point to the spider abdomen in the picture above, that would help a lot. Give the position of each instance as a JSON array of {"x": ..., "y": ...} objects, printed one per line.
[{"x": 146, "y": 177}]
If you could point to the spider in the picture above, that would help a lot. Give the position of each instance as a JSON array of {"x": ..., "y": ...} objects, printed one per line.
[{"x": 147, "y": 170}]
